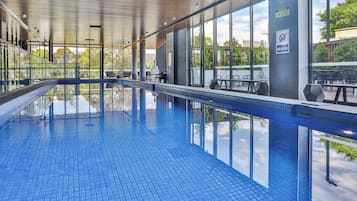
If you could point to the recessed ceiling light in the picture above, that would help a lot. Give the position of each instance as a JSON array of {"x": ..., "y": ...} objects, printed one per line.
[
  {"x": 173, "y": 18},
  {"x": 165, "y": 23},
  {"x": 95, "y": 26},
  {"x": 24, "y": 15},
  {"x": 348, "y": 132}
]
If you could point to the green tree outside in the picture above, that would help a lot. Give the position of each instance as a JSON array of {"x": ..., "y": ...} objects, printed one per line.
[
  {"x": 346, "y": 51},
  {"x": 320, "y": 53},
  {"x": 344, "y": 15}
]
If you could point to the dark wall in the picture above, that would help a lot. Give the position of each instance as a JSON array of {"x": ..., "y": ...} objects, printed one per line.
[
  {"x": 284, "y": 67},
  {"x": 181, "y": 57},
  {"x": 160, "y": 58}
]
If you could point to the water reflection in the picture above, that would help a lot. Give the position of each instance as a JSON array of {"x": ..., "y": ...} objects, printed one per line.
[
  {"x": 67, "y": 100},
  {"x": 287, "y": 159},
  {"x": 334, "y": 166}
]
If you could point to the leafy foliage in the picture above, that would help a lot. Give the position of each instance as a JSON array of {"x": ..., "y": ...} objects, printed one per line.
[
  {"x": 344, "y": 15},
  {"x": 346, "y": 51},
  {"x": 320, "y": 53},
  {"x": 350, "y": 152}
]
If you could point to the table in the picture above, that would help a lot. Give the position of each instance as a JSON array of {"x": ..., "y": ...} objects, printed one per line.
[
  {"x": 340, "y": 87},
  {"x": 251, "y": 83}
]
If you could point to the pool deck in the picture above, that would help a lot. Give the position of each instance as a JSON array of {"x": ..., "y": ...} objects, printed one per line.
[
  {"x": 346, "y": 115},
  {"x": 238, "y": 96},
  {"x": 14, "y": 101}
]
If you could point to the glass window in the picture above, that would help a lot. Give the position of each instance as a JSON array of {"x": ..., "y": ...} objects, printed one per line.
[
  {"x": 223, "y": 48},
  {"x": 195, "y": 55},
  {"x": 94, "y": 63},
  {"x": 241, "y": 48},
  {"x": 150, "y": 58},
  {"x": 261, "y": 42},
  {"x": 127, "y": 62},
  {"x": 208, "y": 52},
  {"x": 83, "y": 59},
  {"x": 334, "y": 45}
]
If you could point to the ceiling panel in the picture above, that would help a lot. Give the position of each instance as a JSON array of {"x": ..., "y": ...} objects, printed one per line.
[{"x": 68, "y": 21}]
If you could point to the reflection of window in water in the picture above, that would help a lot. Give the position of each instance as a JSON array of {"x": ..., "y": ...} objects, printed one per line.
[
  {"x": 247, "y": 150},
  {"x": 196, "y": 123},
  {"x": 241, "y": 143},
  {"x": 333, "y": 167},
  {"x": 261, "y": 151},
  {"x": 208, "y": 141},
  {"x": 223, "y": 135}
]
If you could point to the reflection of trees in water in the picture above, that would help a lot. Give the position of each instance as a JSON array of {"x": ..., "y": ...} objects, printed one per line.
[
  {"x": 127, "y": 98},
  {"x": 39, "y": 107},
  {"x": 91, "y": 93},
  {"x": 350, "y": 152}
]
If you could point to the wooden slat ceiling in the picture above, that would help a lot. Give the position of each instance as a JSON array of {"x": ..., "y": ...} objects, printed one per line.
[{"x": 123, "y": 21}]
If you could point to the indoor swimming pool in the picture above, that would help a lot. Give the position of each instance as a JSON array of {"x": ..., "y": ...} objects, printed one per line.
[{"x": 115, "y": 142}]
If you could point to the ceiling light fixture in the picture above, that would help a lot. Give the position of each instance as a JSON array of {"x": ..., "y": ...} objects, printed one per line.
[
  {"x": 348, "y": 132},
  {"x": 173, "y": 18},
  {"x": 165, "y": 23},
  {"x": 95, "y": 26},
  {"x": 24, "y": 15}
]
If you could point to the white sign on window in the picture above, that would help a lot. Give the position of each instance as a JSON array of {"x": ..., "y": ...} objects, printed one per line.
[{"x": 282, "y": 41}]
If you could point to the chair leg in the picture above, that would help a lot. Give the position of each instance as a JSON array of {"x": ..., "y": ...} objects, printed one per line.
[{"x": 337, "y": 94}]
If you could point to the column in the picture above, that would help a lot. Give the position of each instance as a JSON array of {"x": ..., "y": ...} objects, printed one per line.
[
  {"x": 134, "y": 71},
  {"x": 142, "y": 61},
  {"x": 284, "y": 66}
]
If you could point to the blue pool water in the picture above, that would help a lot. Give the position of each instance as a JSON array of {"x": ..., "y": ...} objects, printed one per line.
[{"x": 92, "y": 143}]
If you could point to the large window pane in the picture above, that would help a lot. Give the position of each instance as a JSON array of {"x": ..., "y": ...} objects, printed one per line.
[
  {"x": 241, "y": 47},
  {"x": 127, "y": 62},
  {"x": 208, "y": 51},
  {"x": 195, "y": 55},
  {"x": 223, "y": 49},
  {"x": 261, "y": 43},
  {"x": 334, "y": 45}
]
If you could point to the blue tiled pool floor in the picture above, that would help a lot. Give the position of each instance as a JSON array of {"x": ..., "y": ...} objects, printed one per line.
[{"x": 112, "y": 158}]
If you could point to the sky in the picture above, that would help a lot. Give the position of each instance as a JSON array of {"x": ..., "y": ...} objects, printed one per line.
[{"x": 240, "y": 21}]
